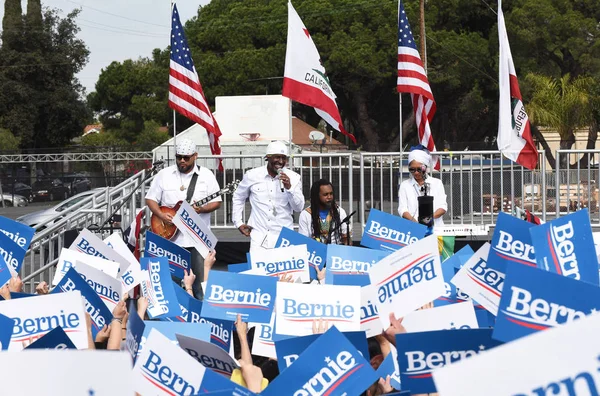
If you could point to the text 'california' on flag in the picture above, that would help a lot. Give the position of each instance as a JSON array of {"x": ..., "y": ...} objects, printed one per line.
[
  {"x": 305, "y": 79},
  {"x": 514, "y": 132},
  {"x": 412, "y": 79},
  {"x": 185, "y": 91}
]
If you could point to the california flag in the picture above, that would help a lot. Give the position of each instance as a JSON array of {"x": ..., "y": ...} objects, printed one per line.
[
  {"x": 305, "y": 79},
  {"x": 514, "y": 133}
]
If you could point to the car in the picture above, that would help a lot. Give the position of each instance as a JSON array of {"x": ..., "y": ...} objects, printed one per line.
[
  {"x": 76, "y": 182},
  {"x": 49, "y": 190},
  {"x": 35, "y": 218},
  {"x": 17, "y": 188},
  {"x": 14, "y": 200}
]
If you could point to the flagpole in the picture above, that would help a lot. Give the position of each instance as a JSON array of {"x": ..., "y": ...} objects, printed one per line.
[
  {"x": 174, "y": 114},
  {"x": 401, "y": 132}
]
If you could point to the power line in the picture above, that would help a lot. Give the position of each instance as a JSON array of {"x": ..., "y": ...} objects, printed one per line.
[{"x": 117, "y": 15}]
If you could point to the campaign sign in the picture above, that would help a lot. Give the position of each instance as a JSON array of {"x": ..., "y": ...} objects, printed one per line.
[
  {"x": 208, "y": 355},
  {"x": 20, "y": 233},
  {"x": 559, "y": 361},
  {"x": 419, "y": 354},
  {"x": 229, "y": 294},
  {"x": 565, "y": 246},
  {"x": 220, "y": 330},
  {"x": 6, "y": 331},
  {"x": 369, "y": 315},
  {"x": 5, "y": 274},
  {"x": 179, "y": 258},
  {"x": 101, "y": 316},
  {"x": 237, "y": 268},
  {"x": 183, "y": 300},
  {"x": 88, "y": 243},
  {"x": 298, "y": 305},
  {"x": 158, "y": 288},
  {"x": 108, "y": 288},
  {"x": 290, "y": 260},
  {"x": 135, "y": 331},
  {"x": 447, "y": 317},
  {"x": 69, "y": 258},
  {"x": 350, "y": 279},
  {"x": 534, "y": 299},
  {"x": 482, "y": 283},
  {"x": 189, "y": 222},
  {"x": 289, "y": 349},
  {"x": 462, "y": 256},
  {"x": 35, "y": 316},
  {"x": 171, "y": 329},
  {"x": 511, "y": 242},
  {"x": 66, "y": 373},
  {"x": 408, "y": 279},
  {"x": 54, "y": 339},
  {"x": 330, "y": 365},
  {"x": 353, "y": 260},
  {"x": 389, "y": 366},
  {"x": 317, "y": 252},
  {"x": 11, "y": 252},
  {"x": 165, "y": 369},
  {"x": 384, "y": 231},
  {"x": 115, "y": 242},
  {"x": 132, "y": 277},
  {"x": 263, "y": 343},
  {"x": 448, "y": 271}
]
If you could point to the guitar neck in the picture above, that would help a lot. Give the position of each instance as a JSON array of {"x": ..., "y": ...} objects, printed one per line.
[{"x": 207, "y": 199}]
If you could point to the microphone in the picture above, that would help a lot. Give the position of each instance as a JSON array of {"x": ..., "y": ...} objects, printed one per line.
[
  {"x": 279, "y": 172},
  {"x": 348, "y": 217},
  {"x": 158, "y": 163}
]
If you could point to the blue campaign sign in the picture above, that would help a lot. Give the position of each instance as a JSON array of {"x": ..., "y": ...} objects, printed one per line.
[
  {"x": 421, "y": 353},
  {"x": 388, "y": 367},
  {"x": 290, "y": 348},
  {"x": 342, "y": 259},
  {"x": 15, "y": 295},
  {"x": 54, "y": 339},
  {"x": 384, "y": 231},
  {"x": 534, "y": 299},
  {"x": 485, "y": 319},
  {"x": 229, "y": 294},
  {"x": 179, "y": 258},
  {"x": 330, "y": 365},
  {"x": 163, "y": 301},
  {"x": 462, "y": 256},
  {"x": 350, "y": 280},
  {"x": 170, "y": 330},
  {"x": 511, "y": 243},
  {"x": 4, "y": 272},
  {"x": 449, "y": 267},
  {"x": 12, "y": 253},
  {"x": 317, "y": 252},
  {"x": 182, "y": 299},
  {"x": 135, "y": 331},
  {"x": 220, "y": 330},
  {"x": 238, "y": 267},
  {"x": 20, "y": 233},
  {"x": 566, "y": 246},
  {"x": 94, "y": 306},
  {"x": 7, "y": 326}
]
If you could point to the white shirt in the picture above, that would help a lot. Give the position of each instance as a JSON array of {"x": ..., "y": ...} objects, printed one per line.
[
  {"x": 272, "y": 209},
  {"x": 410, "y": 190},
  {"x": 306, "y": 226},
  {"x": 166, "y": 191}
]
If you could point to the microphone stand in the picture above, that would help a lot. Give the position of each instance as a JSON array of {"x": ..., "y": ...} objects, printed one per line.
[
  {"x": 339, "y": 227},
  {"x": 110, "y": 219}
]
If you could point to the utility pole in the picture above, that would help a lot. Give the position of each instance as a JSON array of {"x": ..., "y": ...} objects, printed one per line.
[{"x": 422, "y": 33}]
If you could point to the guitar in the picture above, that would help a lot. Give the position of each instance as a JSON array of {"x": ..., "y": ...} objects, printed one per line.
[{"x": 169, "y": 230}]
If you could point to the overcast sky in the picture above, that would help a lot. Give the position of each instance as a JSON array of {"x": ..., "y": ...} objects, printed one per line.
[{"x": 115, "y": 30}]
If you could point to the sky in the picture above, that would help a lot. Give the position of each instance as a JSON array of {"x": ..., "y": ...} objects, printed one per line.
[{"x": 115, "y": 30}]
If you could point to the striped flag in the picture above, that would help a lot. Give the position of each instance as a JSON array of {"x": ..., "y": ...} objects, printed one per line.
[
  {"x": 514, "y": 132},
  {"x": 412, "y": 79},
  {"x": 185, "y": 91}
]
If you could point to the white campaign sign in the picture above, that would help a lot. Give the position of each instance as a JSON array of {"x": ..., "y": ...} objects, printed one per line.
[
  {"x": 132, "y": 277},
  {"x": 108, "y": 288},
  {"x": 165, "y": 369},
  {"x": 560, "y": 361},
  {"x": 35, "y": 316},
  {"x": 481, "y": 283},
  {"x": 88, "y": 243},
  {"x": 66, "y": 373},
  {"x": 447, "y": 317},
  {"x": 298, "y": 305},
  {"x": 69, "y": 258},
  {"x": 115, "y": 241},
  {"x": 408, "y": 279},
  {"x": 154, "y": 308},
  {"x": 262, "y": 344},
  {"x": 369, "y": 315},
  {"x": 209, "y": 355},
  {"x": 189, "y": 222},
  {"x": 290, "y": 260}
]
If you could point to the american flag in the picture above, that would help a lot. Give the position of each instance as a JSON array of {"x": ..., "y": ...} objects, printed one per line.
[
  {"x": 185, "y": 91},
  {"x": 413, "y": 79}
]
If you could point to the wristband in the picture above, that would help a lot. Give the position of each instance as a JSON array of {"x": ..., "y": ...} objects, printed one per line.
[{"x": 119, "y": 320}]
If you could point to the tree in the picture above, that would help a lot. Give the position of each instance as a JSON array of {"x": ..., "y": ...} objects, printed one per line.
[
  {"x": 151, "y": 137},
  {"x": 8, "y": 141}
]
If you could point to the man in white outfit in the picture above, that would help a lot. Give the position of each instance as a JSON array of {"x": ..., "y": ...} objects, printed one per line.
[
  {"x": 275, "y": 193},
  {"x": 419, "y": 161}
]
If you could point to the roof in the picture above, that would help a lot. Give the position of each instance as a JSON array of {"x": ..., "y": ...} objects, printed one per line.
[
  {"x": 301, "y": 130},
  {"x": 92, "y": 128}
]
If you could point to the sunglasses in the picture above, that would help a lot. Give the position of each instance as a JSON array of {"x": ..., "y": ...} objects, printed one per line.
[
  {"x": 413, "y": 170},
  {"x": 186, "y": 158}
]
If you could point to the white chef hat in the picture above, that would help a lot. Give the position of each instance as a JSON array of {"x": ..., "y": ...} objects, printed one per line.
[{"x": 185, "y": 147}]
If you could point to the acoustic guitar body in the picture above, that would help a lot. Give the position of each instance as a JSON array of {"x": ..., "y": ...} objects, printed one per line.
[{"x": 161, "y": 228}]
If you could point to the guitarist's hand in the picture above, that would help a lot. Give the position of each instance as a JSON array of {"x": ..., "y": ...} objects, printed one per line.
[
  {"x": 245, "y": 229},
  {"x": 167, "y": 218}
]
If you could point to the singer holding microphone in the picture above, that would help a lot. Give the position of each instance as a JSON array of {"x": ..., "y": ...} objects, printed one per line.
[
  {"x": 274, "y": 192},
  {"x": 418, "y": 185}
]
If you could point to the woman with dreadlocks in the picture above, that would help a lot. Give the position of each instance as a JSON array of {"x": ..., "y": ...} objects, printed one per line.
[{"x": 321, "y": 221}]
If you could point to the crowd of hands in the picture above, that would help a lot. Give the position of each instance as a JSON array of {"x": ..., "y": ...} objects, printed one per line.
[{"x": 112, "y": 335}]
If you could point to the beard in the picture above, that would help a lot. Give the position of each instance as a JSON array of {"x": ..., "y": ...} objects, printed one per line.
[{"x": 184, "y": 168}]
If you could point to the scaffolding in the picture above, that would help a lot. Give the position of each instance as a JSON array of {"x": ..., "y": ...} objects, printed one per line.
[{"x": 79, "y": 157}]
